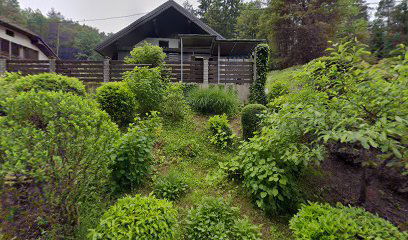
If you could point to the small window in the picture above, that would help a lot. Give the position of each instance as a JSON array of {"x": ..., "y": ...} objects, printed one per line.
[
  {"x": 164, "y": 44},
  {"x": 10, "y": 33}
]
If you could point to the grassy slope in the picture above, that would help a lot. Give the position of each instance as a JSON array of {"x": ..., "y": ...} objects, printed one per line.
[
  {"x": 184, "y": 149},
  {"x": 285, "y": 75}
]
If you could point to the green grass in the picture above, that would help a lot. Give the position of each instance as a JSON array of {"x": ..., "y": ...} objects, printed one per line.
[
  {"x": 285, "y": 75},
  {"x": 184, "y": 149}
]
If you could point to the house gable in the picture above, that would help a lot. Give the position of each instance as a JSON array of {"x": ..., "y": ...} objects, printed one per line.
[{"x": 167, "y": 21}]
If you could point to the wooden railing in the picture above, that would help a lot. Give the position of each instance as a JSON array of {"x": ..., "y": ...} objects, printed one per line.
[{"x": 109, "y": 70}]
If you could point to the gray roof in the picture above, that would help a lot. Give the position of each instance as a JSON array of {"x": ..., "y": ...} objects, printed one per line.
[{"x": 150, "y": 16}]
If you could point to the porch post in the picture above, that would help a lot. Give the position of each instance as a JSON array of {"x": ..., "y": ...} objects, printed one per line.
[
  {"x": 3, "y": 66},
  {"x": 255, "y": 67},
  {"x": 181, "y": 56},
  {"x": 218, "y": 65},
  {"x": 205, "y": 72},
  {"x": 106, "y": 70},
  {"x": 53, "y": 65}
]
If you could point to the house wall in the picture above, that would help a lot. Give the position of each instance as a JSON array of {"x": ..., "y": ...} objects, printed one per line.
[
  {"x": 173, "y": 43},
  {"x": 22, "y": 40}
]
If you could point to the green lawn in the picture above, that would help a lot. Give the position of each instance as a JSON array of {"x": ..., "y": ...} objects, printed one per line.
[{"x": 185, "y": 150}]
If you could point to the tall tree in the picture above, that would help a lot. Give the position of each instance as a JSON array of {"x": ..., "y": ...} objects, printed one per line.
[
  {"x": 222, "y": 16},
  {"x": 249, "y": 21},
  {"x": 11, "y": 9}
]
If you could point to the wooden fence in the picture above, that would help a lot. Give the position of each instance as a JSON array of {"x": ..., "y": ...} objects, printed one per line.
[{"x": 109, "y": 70}]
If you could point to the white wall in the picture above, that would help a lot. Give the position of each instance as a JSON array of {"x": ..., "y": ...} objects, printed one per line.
[
  {"x": 22, "y": 40},
  {"x": 173, "y": 43}
]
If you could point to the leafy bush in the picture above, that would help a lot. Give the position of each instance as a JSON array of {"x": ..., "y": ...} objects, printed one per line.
[
  {"x": 175, "y": 107},
  {"x": 257, "y": 89},
  {"x": 118, "y": 101},
  {"x": 216, "y": 219},
  {"x": 251, "y": 120},
  {"x": 214, "y": 100},
  {"x": 133, "y": 154},
  {"x": 171, "y": 187},
  {"x": 148, "y": 87},
  {"x": 220, "y": 131},
  {"x": 62, "y": 142},
  {"x": 147, "y": 54},
  {"x": 7, "y": 89},
  {"x": 50, "y": 82},
  {"x": 276, "y": 90},
  {"x": 137, "y": 218},
  {"x": 321, "y": 221}
]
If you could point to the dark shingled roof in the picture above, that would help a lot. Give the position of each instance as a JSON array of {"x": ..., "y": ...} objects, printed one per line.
[{"x": 150, "y": 16}]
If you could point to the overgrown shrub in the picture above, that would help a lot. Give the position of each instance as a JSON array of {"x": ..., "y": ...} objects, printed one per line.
[
  {"x": 62, "y": 142},
  {"x": 251, "y": 119},
  {"x": 171, "y": 187},
  {"x": 137, "y": 218},
  {"x": 257, "y": 89},
  {"x": 216, "y": 219},
  {"x": 118, "y": 101},
  {"x": 214, "y": 100},
  {"x": 133, "y": 154},
  {"x": 321, "y": 221},
  {"x": 50, "y": 82},
  {"x": 147, "y": 54},
  {"x": 276, "y": 90},
  {"x": 220, "y": 131},
  {"x": 147, "y": 86},
  {"x": 175, "y": 106},
  {"x": 7, "y": 88}
]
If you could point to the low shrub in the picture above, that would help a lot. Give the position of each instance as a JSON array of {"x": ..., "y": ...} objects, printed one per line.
[
  {"x": 214, "y": 100},
  {"x": 62, "y": 142},
  {"x": 147, "y": 54},
  {"x": 220, "y": 131},
  {"x": 251, "y": 120},
  {"x": 7, "y": 89},
  {"x": 133, "y": 154},
  {"x": 137, "y": 218},
  {"x": 148, "y": 88},
  {"x": 322, "y": 221},
  {"x": 118, "y": 101},
  {"x": 175, "y": 107},
  {"x": 171, "y": 187},
  {"x": 216, "y": 219},
  {"x": 50, "y": 82}
]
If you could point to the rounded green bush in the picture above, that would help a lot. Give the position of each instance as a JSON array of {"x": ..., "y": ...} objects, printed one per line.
[
  {"x": 216, "y": 219},
  {"x": 322, "y": 221},
  {"x": 63, "y": 142},
  {"x": 250, "y": 119},
  {"x": 137, "y": 217},
  {"x": 214, "y": 100},
  {"x": 221, "y": 134},
  {"x": 118, "y": 101},
  {"x": 148, "y": 87},
  {"x": 147, "y": 54},
  {"x": 7, "y": 89},
  {"x": 50, "y": 82},
  {"x": 174, "y": 107}
]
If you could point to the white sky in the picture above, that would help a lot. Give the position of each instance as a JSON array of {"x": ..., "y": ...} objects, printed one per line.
[{"x": 95, "y": 9}]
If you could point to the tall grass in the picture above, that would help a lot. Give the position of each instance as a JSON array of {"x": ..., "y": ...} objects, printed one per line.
[{"x": 214, "y": 100}]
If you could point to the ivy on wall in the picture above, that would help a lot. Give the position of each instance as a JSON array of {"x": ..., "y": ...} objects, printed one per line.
[{"x": 257, "y": 90}]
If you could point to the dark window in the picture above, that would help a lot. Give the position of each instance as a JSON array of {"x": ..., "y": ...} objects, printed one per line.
[
  {"x": 5, "y": 46},
  {"x": 10, "y": 33},
  {"x": 15, "y": 50},
  {"x": 164, "y": 44}
]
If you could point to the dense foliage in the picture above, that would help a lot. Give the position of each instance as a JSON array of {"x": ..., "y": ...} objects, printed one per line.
[
  {"x": 118, "y": 101},
  {"x": 51, "y": 138},
  {"x": 133, "y": 154},
  {"x": 7, "y": 89},
  {"x": 251, "y": 119},
  {"x": 322, "y": 221},
  {"x": 171, "y": 187},
  {"x": 147, "y": 54},
  {"x": 175, "y": 106},
  {"x": 257, "y": 89},
  {"x": 137, "y": 218},
  {"x": 216, "y": 219},
  {"x": 220, "y": 131},
  {"x": 214, "y": 100},
  {"x": 148, "y": 87}
]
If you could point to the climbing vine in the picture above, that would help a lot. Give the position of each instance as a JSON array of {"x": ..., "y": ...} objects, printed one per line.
[{"x": 257, "y": 91}]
